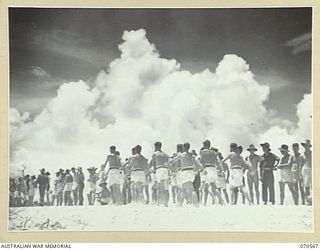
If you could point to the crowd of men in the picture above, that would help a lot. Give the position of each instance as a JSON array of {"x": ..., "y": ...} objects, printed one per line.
[{"x": 186, "y": 177}]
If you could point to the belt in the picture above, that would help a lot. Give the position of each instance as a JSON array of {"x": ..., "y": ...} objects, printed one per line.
[
  {"x": 267, "y": 169},
  {"x": 209, "y": 166},
  {"x": 186, "y": 169},
  {"x": 137, "y": 169},
  {"x": 114, "y": 167},
  {"x": 161, "y": 166},
  {"x": 236, "y": 167}
]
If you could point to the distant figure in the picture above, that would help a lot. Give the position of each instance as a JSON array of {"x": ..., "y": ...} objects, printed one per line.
[
  {"x": 267, "y": 166},
  {"x": 176, "y": 185},
  {"x": 81, "y": 179},
  {"x": 223, "y": 176},
  {"x": 297, "y": 164},
  {"x": 68, "y": 188},
  {"x": 307, "y": 170},
  {"x": 32, "y": 189},
  {"x": 43, "y": 185},
  {"x": 93, "y": 179},
  {"x": 253, "y": 161},
  {"x": 75, "y": 186}
]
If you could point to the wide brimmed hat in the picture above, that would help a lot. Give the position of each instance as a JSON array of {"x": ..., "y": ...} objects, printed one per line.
[
  {"x": 61, "y": 170},
  {"x": 42, "y": 170},
  {"x": 48, "y": 173},
  {"x": 306, "y": 144},
  {"x": 252, "y": 147},
  {"x": 92, "y": 169},
  {"x": 284, "y": 147}
]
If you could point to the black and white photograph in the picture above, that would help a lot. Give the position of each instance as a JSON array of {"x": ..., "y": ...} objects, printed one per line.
[{"x": 160, "y": 119}]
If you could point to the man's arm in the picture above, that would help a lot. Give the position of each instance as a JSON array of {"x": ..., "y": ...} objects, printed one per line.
[{"x": 175, "y": 159}]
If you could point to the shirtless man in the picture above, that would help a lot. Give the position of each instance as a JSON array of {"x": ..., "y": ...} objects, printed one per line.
[
  {"x": 307, "y": 170},
  {"x": 236, "y": 172},
  {"x": 253, "y": 161},
  {"x": 297, "y": 164},
  {"x": 286, "y": 174},
  {"x": 159, "y": 162},
  {"x": 176, "y": 185},
  {"x": 188, "y": 167},
  {"x": 223, "y": 176},
  {"x": 138, "y": 165},
  {"x": 113, "y": 173},
  {"x": 209, "y": 158}
]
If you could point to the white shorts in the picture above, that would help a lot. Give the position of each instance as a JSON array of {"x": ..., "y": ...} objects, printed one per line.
[
  {"x": 122, "y": 178},
  {"x": 113, "y": 177},
  {"x": 212, "y": 175},
  {"x": 221, "y": 182},
  {"x": 236, "y": 177},
  {"x": 306, "y": 176},
  {"x": 162, "y": 174},
  {"x": 92, "y": 186},
  {"x": 74, "y": 185},
  {"x": 68, "y": 186},
  {"x": 138, "y": 176},
  {"x": 187, "y": 176}
]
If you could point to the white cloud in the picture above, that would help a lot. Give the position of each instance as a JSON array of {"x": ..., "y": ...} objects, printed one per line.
[{"x": 144, "y": 98}]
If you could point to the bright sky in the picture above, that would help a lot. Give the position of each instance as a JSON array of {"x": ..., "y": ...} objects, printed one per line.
[{"x": 52, "y": 46}]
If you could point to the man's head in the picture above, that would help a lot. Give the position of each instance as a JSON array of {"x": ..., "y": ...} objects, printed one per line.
[
  {"x": 238, "y": 150},
  {"x": 295, "y": 147},
  {"x": 112, "y": 149},
  {"x": 252, "y": 149},
  {"x": 79, "y": 169},
  {"x": 265, "y": 147},
  {"x": 138, "y": 149},
  {"x": 206, "y": 144},
  {"x": 67, "y": 171},
  {"x": 233, "y": 147},
  {"x": 179, "y": 148},
  {"x": 57, "y": 174},
  {"x": 73, "y": 170},
  {"x": 186, "y": 147},
  {"x": 133, "y": 151},
  {"x": 43, "y": 171},
  {"x": 157, "y": 146},
  {"x": 117, "y": 153},
  {"x": 284, "y": 149},
  {"x": 307, "y": 145}
]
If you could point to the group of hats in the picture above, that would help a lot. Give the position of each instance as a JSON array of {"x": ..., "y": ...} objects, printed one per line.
[
  {"x": 43, "y": 171},
  {"x": 283, "y": 147}
]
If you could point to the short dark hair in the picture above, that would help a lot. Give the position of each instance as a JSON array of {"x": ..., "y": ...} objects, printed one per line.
[
  {"x": 295, "y": 145},
  {"x": 113, "y": 148},
  {"x": 117, "y": 153},
  {"x": 186, "y": 146},
  {"x": 179, "y": 147},
  {"x": 158, "y": 144},
  {"x": 138, "y": 148}
]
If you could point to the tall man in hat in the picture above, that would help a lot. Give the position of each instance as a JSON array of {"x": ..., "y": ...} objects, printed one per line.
[
  {"x": 297, "y": 164},
  {"x": 267, "y": 166},
  {"x": 81, "y": 179},
  {"x": 253, "y": 161},
  {"x": 307, "y": 169},
  {"x": 286, "y": 174},
  {"x": 114, "y": 175},
  {"x": 43, "y": 185}
]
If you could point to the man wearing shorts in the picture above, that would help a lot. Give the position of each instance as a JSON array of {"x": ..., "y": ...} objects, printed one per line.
[
  {"x": 114, "y": 176},
  {"x": 286, "y": 174},
  {"x": 297, "y": 164},
  {"x": 159, "y": 162},
  {"x": 209, "y": 158}
]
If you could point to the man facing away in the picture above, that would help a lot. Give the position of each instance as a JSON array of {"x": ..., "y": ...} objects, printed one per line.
[
  {"x": 209, "y": 158},
  {"x": 176, "y": 185},
  {"x": 75, "y": 186},
  {"x": 81, "y": 179},
  {"x": 114, "y": 175},
  {"x": 237, "y": 165},
  {"x": 297, "y": 164},
  {"x": 253, "y": 161},
  {"x": 138, "y": 165},
  {"x": 286, "y": 174},
  {"x": 188, "y": 167},
  {"x": 159, "y": 162},
  {"x": 267, "y": 166}
]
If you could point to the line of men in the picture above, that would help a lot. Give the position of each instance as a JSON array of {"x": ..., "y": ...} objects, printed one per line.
[{"x": 192, "y": 178}]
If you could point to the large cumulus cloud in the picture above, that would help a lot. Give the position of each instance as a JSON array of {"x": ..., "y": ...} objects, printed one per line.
[{"x": 142, "y": 98}]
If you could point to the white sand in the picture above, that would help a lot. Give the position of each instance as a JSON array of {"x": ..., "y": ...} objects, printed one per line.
[{"x": 257, "y": 218}]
